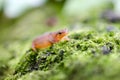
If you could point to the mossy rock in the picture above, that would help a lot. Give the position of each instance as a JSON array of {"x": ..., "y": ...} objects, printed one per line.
[{"x": 86, "y": 56}]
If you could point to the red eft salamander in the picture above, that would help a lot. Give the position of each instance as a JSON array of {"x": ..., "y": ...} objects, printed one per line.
[{"x": 48, "y": 39}]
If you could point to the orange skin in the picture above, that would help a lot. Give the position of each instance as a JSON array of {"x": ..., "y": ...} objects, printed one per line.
[{"x": 48, "y": 39}]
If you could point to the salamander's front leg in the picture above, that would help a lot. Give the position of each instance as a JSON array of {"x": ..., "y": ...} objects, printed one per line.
[{"x": 65, "y": 38}]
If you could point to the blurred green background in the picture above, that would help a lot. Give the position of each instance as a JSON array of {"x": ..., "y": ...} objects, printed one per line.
[{"x": 21, "y": 21}]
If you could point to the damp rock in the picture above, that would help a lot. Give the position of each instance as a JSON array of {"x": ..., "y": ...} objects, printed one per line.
[
  {"x": 110, "y": 16},
  {"x": 105, "y": 49}
]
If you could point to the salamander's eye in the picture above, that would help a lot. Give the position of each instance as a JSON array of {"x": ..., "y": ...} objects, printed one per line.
[{"x": 59, "y": 33}]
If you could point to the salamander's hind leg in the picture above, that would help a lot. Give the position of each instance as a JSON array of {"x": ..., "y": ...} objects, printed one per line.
[{"x": 33, "y": 48}]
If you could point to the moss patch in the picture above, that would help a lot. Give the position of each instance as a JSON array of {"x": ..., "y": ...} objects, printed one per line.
[{"x": 88, "y": 55}]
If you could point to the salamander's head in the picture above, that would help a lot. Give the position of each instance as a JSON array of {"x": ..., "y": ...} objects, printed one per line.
[{"x": 60, "y": 34}]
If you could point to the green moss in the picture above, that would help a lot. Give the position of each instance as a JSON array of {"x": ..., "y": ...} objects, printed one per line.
[
  {"x": 26, "y": 63},
  {"x": 82, "y": 57}
]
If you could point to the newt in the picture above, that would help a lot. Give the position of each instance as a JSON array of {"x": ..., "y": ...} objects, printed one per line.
[{"x": 48, "y": 39}]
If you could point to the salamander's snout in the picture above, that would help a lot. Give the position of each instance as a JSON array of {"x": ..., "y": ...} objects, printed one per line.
[
  {"x": 65, "y": 31},
  {"x": 61, "y": 33}
]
